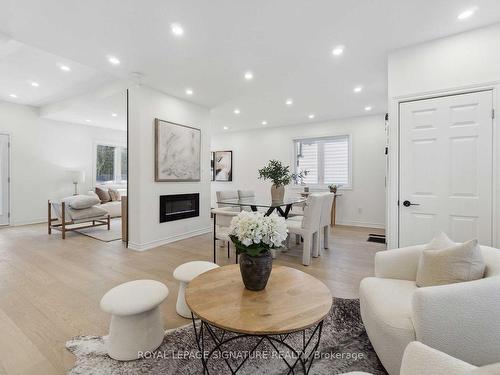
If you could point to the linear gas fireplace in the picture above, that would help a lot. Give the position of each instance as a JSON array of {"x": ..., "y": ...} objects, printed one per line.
[{"x": 179, "y": 206}]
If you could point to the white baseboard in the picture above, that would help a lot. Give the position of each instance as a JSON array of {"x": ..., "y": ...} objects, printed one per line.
[
  {"x": 28, "y": 222},
  {"x": 361, "y": 224},
  {"x": 167, "y": 240}
]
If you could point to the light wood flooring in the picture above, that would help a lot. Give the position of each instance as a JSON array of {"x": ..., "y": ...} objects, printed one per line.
[{"x": 50, "y": 288}]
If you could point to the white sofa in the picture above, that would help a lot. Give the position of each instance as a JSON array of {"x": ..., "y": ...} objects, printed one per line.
[
  {"x": 114, "y": 208},
  {"x": 420, "y": 359},
  {"x": 462, "y": 320}
]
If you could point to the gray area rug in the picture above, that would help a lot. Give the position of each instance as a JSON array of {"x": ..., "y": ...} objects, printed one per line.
[
  {"x": 344, "y": 347},
  {"x": 102, "y": 233}
]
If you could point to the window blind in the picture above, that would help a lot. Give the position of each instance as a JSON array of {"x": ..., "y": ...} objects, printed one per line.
[{"x": 327, "y": 160}]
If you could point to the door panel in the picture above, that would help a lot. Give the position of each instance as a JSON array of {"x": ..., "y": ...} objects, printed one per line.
[
  {"x": 4, "y": 179},
  {"x": 446, "y": 159}
]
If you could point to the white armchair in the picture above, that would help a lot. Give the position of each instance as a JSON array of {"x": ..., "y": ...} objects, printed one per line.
[
  {"x": 420, "y": 359},
  {"x": 462, "y": 319}
]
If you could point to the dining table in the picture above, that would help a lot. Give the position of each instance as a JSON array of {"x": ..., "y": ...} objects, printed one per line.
[{"x": 282, "y": 207}]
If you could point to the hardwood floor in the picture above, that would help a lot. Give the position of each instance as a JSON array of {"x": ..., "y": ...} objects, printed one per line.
[{"x": 50, "y": 288}]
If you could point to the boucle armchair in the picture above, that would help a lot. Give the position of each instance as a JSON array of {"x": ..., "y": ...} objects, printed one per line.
[
  {"x": 461, "y": 320},
  {"x": 420, "y": 359}
]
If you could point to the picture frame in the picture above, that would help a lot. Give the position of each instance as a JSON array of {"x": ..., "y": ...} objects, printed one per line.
[
  {"x": 223, "y": 166},
  {"x": 177, "y": 152},
  {"x": 212, "y": 166}
]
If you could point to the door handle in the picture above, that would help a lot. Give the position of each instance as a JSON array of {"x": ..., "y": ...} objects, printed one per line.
[{"x": 408, "y": 204}]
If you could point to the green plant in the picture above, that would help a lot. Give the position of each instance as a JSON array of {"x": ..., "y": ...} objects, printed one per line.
[{"x": 280, "y": 174}]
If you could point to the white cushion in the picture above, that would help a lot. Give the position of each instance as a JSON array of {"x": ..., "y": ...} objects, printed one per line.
[
  {"x": 188, "y": 271},
  {"x": 134, "y": 297},
  {"x": 459, "y": 263},
  {"x": 79, "y": 202},
  {"x": 441, "y": 241},
  {"x": 113, "y": 208},
  {"x": 386, "y": 309},
  {"x": 87, "y": 213}
]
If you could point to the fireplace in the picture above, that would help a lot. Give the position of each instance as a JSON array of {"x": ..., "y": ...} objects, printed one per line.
[{"x": 179, "y": 206}]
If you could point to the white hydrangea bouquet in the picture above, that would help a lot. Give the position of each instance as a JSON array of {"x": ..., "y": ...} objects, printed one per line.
[{"x": 253, "y": 233}]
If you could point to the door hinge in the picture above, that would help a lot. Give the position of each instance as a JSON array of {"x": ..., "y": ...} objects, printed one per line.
[
  {"x": 398, "y": 202},
  {"x": 8, "y": 215},
  {"x": 493, "y": 113}
]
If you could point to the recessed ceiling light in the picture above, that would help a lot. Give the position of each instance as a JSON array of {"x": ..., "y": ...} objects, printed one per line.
[
  {"x": 236, "y": 111},
  {"x": 248, "y": 76},
  {"x": 467, "y": 13},
  {"x": 13, "y": 95},
  {"x": 311, "y": 116},
  {"x": 264, "y": 122},
  {"x": 113, "y": 60},
  {"x": 368, "y": 108},
  {"x": 289, "y": 102},
  {"x": 177, "y": 29},
  {"x": 225, "y": 128},
  {"x": 114, "y": 114},
  {"x": 189, "y": 92},
  {"x": 337, "y": 51},
  {"x": 87, "y": 120},
  {"x": 64, "y": 68},
  {"x": 358, "y": 89},
  {"x": 35, "y": 84}
]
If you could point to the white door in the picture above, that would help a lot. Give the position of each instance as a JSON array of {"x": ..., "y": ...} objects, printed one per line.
[
  {"x": 446, "y": 161},
  {"x": 4, "y": 179}
]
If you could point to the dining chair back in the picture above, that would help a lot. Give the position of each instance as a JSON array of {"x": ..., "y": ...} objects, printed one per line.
[
  {"x": 245, "y": 194},
  {"x": 223, "y": 195},
  {"x": 312, "y": 212},
  {"x": 325, "y": 221}
]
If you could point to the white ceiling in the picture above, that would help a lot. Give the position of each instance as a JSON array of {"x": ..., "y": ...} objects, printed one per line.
[{"x": 287, "y": 44}]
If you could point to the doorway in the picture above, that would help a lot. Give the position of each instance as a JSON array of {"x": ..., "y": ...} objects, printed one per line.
[
  {"x": 446, "y": 168},
  {"x": 4, "y": 179}
]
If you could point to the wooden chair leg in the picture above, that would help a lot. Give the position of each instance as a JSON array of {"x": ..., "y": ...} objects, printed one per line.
[
  {"x": 109, "y": 222},
  {"x": 315, "y": 244},
  {"x": 228, "y": 250},
  {"x": 297, "y": 239}
]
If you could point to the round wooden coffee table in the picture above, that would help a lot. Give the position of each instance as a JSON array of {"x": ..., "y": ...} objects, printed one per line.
[{"x": 293, "y": 302}]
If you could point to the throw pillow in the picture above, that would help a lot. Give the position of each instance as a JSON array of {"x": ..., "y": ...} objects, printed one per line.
[
  {"x": 441, "y": 241},
  {"x": 80, "y": 202},
  {"x": 103, "y": 194},
  {"x": 459, "y": 263},
  {"x": 114, "y": 194}
]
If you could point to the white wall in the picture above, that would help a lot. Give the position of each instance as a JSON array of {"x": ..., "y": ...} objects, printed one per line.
[
  {"x": 459, "y": 63},
  {"x": 145, "y": 230},
  {"x": 364, "y": 205},
  {"x": 42, "y": 152}
]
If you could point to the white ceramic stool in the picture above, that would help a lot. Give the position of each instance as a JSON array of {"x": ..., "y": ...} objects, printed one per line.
[
  {"x": 184, "y": 274},
  {"x": 136, "y": 321}
]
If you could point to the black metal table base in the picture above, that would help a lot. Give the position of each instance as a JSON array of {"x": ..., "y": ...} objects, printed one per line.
[{"x": 213, "y": 341}]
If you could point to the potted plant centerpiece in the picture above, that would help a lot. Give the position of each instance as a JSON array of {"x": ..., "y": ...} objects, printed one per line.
[
  {"x": 254, "y": 235},
  {"x": 281, "y": 176}
]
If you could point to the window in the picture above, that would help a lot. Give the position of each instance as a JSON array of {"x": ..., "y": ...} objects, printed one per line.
[
  {"x": 110, "y": 164},
  {"x": 327, "y": 160}
]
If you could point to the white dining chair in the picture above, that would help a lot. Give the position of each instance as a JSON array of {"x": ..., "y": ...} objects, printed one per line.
[
  {"x": 325, "y": 221},
  {"x": 224, "y": 195},
  {"x": 307, "y": 227},
  {"x": 222, "y": 221},
  {"x": 246, "y": 194}
]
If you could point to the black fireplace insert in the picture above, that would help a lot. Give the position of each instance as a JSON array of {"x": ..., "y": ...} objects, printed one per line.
[{"x": 179, "y": 206}]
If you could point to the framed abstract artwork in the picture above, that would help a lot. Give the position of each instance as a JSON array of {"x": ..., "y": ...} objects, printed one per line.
[
  {"x": 212, "y": 164},
  {"x": 177, "y": 152},
  {"x": 223, "y": 166}
]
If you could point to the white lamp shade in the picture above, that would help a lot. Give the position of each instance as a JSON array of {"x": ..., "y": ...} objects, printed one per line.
[{"x": 78, "y": 177}]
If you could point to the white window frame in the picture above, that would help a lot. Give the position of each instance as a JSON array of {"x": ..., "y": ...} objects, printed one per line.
[
  {"x": 321, "y": 184},
  {"x": 117, "y": 162}
]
